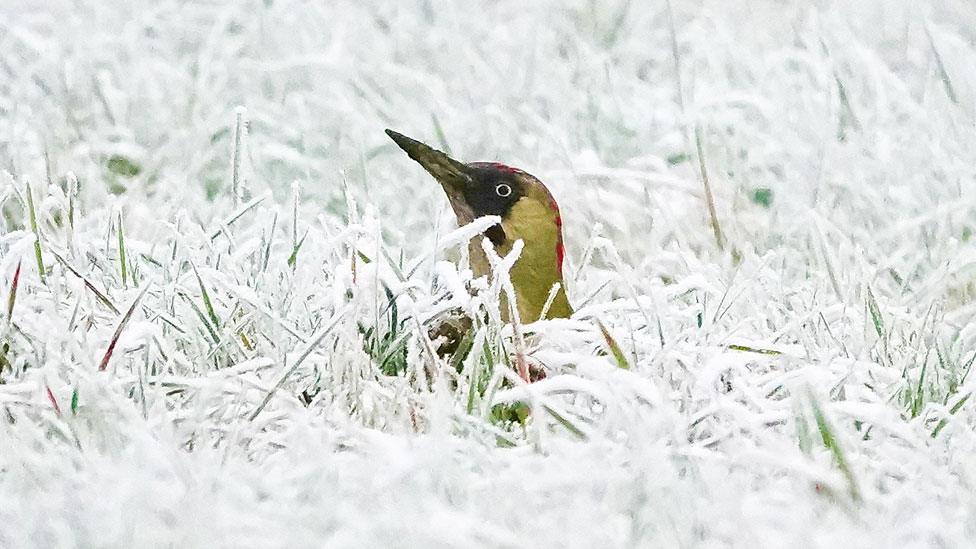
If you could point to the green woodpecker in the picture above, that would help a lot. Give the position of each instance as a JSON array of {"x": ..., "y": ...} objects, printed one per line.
[{"x": 527, "y": 211}]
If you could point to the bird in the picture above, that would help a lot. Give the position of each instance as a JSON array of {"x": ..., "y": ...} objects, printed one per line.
[{"x": 528, "y": 213}]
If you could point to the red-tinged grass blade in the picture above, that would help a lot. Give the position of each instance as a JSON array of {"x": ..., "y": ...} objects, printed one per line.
[
  {"x": 12, "y": 298},
  {"x": 614, "y": 347},
  {"x": 54, "y": 401},
  {"x": 101, "y": 296},
  {"x": 118, "y": 331},
  {"x": 522, "y": 367}
]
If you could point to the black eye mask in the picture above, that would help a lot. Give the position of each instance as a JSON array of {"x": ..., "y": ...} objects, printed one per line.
[{"x": 494, "y": 192}]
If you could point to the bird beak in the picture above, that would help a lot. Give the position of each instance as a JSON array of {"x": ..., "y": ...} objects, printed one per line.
[{"x": 451, "y": 174}]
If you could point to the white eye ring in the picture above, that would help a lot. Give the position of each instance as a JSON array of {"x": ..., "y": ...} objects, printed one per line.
[{"x": 503, "y": 190}]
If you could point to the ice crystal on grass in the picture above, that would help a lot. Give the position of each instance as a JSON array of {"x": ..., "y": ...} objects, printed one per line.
[{"x": 218, "y": 321}]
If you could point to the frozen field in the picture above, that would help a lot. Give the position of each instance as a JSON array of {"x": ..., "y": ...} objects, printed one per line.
[{"x": 218, "y": 328}]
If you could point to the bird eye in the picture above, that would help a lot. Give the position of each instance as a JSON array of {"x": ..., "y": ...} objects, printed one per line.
[{"x": 503, "y": 190}]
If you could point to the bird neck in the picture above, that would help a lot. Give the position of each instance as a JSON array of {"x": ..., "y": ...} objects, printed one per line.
[{"x": 539, "y": 267}]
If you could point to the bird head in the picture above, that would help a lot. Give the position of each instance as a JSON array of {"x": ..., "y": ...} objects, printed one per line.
[{"x": 527, "y": 210}]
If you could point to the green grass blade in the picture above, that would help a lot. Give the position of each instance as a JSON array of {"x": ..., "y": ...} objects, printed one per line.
[
  {"x": 875, "y": 312},
  {"x": 202, "y": 316},
  {"x": 88, "y": 284},
  {"x": 952, "y": 411},
  {"x": 614, "y": 347},
  {"x": 38, "y": 253},
  {"x": 122, "y": 260},
  {"x": 207, "y": 303},
  {"x": 830, "y": 442},
  {"x": 757, "y": 350},
  {"x": 316, "y": 341},
  {"x": 293, "y": 258}
]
